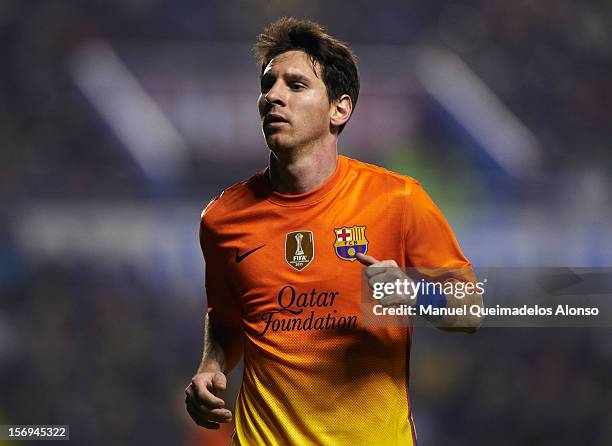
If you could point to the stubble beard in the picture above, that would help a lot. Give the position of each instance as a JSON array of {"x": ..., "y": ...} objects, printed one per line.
[
  {"x": 281, "y": 143},
  {"x": 288, "y": 146}
]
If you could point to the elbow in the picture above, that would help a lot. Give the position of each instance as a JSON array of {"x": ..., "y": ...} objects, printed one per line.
[
  {"x": 473, "y": 323},
  {"x": 475, "y": 318},
  {"x": 472, "y": 329},
  {"x": 461, "y": 329},
  {"x": 468, "y": 324}
]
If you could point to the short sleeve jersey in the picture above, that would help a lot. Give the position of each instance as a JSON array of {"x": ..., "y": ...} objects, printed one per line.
[{"x": 282, "y": 269}]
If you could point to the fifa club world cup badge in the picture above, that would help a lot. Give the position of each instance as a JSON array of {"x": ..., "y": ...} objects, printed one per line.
[
  {"x": 350, "y": 241},
  {"x": 299, "y": 249}
]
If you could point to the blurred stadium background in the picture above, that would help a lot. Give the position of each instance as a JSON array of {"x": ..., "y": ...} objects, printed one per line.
[{"x": 119, "y": 120}]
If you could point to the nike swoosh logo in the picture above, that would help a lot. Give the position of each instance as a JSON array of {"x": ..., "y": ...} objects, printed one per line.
[{"x": 241, "y": 257}]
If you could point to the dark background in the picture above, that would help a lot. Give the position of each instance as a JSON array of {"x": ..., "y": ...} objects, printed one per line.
[{"x": 119, "y": 120}]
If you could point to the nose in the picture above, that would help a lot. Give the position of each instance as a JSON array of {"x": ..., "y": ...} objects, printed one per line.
[{"x": 274, "y": 96}]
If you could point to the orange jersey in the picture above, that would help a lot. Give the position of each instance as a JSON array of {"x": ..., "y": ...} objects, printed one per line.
[{"x": 282, "y": 269}]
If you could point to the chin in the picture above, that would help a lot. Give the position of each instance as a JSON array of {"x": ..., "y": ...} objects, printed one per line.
[{"x": 275, "y": 141}]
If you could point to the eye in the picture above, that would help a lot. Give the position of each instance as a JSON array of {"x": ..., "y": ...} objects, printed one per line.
[
  {"x": 297, "y": 86},
  {"x": 266, "y": 84}
]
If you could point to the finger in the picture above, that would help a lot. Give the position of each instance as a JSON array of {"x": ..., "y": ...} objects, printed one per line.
[
  {"x": 216, "y": 415},
  {"x": 372, "y": 281},
  {"x": 373, "y": 270},
  {"x": 366, "y": 260},
  {"x": 201, "y": 421},
  {"x": 393, "y": 299},
  {"x": 202, "y": 396},
  {"x": 386, "y": 266},
  {"x": 202, "y": 414},
  {"x": 190, "y": 390},
  {"x": 387, "y": 263},
  {"x": 386, "y": 275},
  {"x": 383, "y": 276},
  {"x": 219, "y": 382},
  {"x": 372, "y": 261}
]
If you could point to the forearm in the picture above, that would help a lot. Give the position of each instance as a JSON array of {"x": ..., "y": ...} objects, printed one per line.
[{"x": 222, "y": 349}]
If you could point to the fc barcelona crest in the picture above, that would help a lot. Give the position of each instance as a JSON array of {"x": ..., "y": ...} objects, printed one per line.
[
  {"x": 350, "y": 242},
  {"x": 299, "y": 249}
]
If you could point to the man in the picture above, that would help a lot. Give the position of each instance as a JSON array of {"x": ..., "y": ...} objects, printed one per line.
[{"x": 283, "y": 286}]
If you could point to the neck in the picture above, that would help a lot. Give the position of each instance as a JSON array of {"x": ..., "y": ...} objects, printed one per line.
[{"x": 299, "y": 171}]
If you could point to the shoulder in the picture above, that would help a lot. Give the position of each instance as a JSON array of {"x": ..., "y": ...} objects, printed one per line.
[
  {"x": 402, "y": 193},
  {"x": 232, "y": 199},
  {"x": 372, "y": 175}
]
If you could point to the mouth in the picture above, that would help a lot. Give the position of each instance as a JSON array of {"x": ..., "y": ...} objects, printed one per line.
[{"x": 274, "y": 120}]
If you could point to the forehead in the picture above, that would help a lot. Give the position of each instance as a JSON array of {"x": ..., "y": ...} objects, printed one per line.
[{"x": 292, "y": 62}]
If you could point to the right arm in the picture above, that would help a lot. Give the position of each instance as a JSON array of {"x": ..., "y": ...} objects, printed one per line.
[
  {"x": 202, "y": 394},
  {"x": 222, "y": 347}
]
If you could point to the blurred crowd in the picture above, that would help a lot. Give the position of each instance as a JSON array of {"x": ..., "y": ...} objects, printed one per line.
[
  {"x": 105, "y": 353},
  {"x": 105, "y": 343},
  {"x": 549, "y": 63}
]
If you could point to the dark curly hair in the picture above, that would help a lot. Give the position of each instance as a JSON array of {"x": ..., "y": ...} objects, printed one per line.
[{"x": 337, "y": 61}]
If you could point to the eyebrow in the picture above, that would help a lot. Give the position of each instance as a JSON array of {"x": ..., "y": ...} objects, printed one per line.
[
  {"x": 290, "y": 76},
  {"x": 297, "y": 77}
]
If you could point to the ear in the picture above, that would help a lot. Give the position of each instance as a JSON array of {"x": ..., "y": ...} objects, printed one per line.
[{"x": 341, "y": 110}]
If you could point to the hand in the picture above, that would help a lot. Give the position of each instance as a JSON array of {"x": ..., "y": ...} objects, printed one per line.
[
  {"x": 203, "y": 404},
  {"x": 385, "y": 271}
]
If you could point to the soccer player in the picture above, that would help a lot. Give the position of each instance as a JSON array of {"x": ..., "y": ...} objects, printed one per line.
[{"x": 285, "y": 252}]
